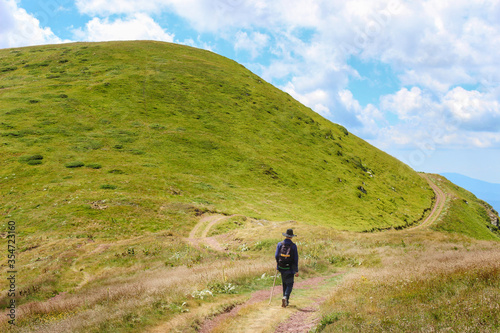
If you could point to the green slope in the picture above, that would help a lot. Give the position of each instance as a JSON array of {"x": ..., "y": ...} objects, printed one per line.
[
  {"x": 165, "y": 131},
  {"x": 466, "y": 214}
]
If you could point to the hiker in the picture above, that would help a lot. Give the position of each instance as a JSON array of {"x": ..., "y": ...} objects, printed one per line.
[{"x": 287, "y": 259}]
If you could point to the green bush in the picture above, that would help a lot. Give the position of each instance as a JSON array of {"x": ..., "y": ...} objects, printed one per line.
[
  {"x": 94, "y": 166},
  {"x": 327, "y": 320},
  {"x": 34, "y": 162},
  {"x": 75, "y": 164},
  {"x": 31, "y": 158},
  {"x": 108, "y": 187}
]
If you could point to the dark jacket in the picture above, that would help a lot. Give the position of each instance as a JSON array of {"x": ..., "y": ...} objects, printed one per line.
[{"x": 294, "y": 253}]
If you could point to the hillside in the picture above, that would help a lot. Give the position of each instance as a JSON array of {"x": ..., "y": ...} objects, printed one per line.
[
  {"x": 466, "y": 214},
  {"x": 154, "y": 131},
  {"x": 150, "y": 182}
]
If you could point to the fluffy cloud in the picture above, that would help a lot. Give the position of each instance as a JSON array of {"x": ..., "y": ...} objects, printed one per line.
[
  {"x": 253, "y": 43},
  {"x": 407, "y": 104},
  {"x": 18, "y": 28},
  {"x": 369, "y": 119},
  {"x": 473, "y": 110},
  {"x": 138, "y": 26},
  {"x": 204, "y": 15},
  {"x": 317, "y": 99},
  {"x": 461, "y": 118}
]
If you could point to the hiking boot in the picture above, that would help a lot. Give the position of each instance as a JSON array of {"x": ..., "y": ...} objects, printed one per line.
[{"x": 284, "y": 302}]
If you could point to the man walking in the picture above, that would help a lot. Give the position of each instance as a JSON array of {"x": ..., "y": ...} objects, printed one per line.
[{"x": 287, "y": 259}]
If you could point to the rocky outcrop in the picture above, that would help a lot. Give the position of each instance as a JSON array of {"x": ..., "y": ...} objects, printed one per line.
[{"x": 493, "y": 214}]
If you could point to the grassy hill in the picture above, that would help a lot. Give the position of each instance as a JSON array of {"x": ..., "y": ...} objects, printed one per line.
[
  {"x": 466, "y": 214},
  {"x": 155, "y": 131},
  {"x": 112, "y": 152}
]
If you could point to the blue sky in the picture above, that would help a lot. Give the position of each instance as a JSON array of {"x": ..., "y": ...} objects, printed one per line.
[{"x": 417, "y": 79}]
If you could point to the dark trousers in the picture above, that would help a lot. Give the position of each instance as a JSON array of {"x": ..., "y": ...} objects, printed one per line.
[{"x": 287, "y": 281}]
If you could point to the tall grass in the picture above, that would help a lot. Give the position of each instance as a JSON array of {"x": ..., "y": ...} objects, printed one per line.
[
  {"x": 437, "y": 288},
  {"x": 128, "y": 303}
]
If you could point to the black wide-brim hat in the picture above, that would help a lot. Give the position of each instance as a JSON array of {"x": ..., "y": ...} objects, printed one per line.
[{"x": 289, "y": 233}]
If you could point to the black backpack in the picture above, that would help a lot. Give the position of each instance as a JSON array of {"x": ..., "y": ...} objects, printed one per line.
[{"x": 285, "y": 259}]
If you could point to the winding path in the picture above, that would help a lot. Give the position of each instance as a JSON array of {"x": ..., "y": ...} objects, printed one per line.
[
  {"x": 197, "y": 237},
  {"x": 438, "y": 205},
  {"x": 255, "y": 315}
]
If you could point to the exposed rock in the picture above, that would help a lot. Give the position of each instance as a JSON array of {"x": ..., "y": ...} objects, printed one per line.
[{"x": 493, "y": 217}]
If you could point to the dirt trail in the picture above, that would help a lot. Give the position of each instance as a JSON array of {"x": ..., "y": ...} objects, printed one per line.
[
  {"x": 438, "y": 205},
  {"x": 197, "y": 237},
  {"x": 86, "y": 276},
  {"x": 256, "y": 315}
]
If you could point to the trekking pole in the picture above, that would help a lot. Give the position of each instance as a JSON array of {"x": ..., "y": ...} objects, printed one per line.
[{"x": 272, "y": 290}]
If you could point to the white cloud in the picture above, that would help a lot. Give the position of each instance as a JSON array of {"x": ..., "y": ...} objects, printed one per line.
[
  {"x": 461, "y": 118},
  {"x": 18, "y": 28},
  {"x": 473, "y": 110},
  {"x": 253, "y": 43},
  {"x": 369, "y": 118},
  {"x": 204, "y": 15},
  {"x": 109, "y": 7},
  {"x": 317, "y": 99},
  {"x": 136, "y": 27},
  {"x": 406, "y": 104}
]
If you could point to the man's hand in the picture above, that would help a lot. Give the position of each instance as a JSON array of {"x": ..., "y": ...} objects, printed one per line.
[{"x": 297, "y": 274}]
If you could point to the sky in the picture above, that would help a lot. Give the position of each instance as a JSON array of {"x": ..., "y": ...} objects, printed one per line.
[{"x": 420, "y": 80}]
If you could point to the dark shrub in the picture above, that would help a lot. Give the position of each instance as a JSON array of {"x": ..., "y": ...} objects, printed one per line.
[
  {"x": 75, "y": 164},
  {"x": 94, "y": 166},
  {"x": 30, "y": 158}
]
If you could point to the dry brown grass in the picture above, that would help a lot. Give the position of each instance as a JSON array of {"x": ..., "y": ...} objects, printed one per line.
[
  {"x": 129, "y": 296},
  {"x": 425, "y": 285},
  {"x": 397, "y": 281}
]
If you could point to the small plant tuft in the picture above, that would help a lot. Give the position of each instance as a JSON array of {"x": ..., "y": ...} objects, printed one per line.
[
  {"x": 74, "y": 164},
  {"x": 28, "y": 158},
  {"x": 108, "y": 187},
  {"x": 94, "y": 166}
]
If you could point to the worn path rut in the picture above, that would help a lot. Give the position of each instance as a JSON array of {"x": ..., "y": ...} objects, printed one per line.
[
  {"x": 199, "y": 233},
  {"x": 438, "y": 205}
]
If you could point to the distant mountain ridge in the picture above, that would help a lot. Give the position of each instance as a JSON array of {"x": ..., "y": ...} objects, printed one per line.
[{"x": 489, "y": 192}]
